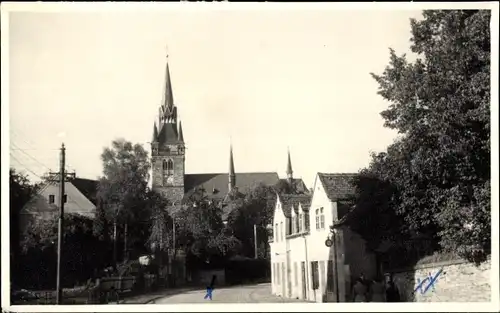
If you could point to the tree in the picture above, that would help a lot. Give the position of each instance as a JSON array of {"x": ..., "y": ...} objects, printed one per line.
[
  {"x": 123, "y": 187},
  {"x": 82, "y": 251},
  {"x": 201, "y": 230},
  {"x": 440, "y": 166},
  {"x": 21, "y": 190},
  {"x": 160, "y": 219},
  {"x": 257, "y": 208}
]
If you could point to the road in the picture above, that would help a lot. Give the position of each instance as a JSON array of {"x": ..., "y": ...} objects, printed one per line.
[{"x": 238, "y": 294}]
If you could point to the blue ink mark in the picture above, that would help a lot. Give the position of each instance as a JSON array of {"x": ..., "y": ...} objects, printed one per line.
[
  {"x": 209, "y": 293},
  {"x": 432, "y": 281}
]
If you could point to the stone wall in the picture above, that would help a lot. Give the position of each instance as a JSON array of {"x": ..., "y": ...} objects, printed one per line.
[{"x": 449, "y": 281}]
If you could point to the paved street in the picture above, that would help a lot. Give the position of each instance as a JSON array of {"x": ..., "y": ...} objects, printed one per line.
[{"x": 239, "y": 294}]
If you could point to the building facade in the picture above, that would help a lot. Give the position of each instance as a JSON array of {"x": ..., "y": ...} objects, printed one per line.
[{"x": 302, "y": 265}]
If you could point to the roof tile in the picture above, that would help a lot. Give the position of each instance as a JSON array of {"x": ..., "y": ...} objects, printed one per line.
[
  {"x": 292, "y": 201},
  {"x": 338, "y": 186}
]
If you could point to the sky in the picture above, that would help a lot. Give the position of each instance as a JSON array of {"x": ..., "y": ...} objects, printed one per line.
[{"x": 265, "y": 80}]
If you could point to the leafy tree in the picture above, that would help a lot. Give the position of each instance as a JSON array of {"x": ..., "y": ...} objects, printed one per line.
[
  {"x": 439, "y": 168},
  {"x": 82, "y": 252},
  {"x": 123, "y": 187},
  {"x": 201, "y": 230},
  {"x": 257, "y": 208},
  {"x": 21, "y": 190},
  {"x": 160, "y": 233},
  {"x": 101, "y": 225}
]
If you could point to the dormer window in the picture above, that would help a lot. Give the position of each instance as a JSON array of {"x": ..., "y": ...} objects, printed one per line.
[
  {"x": 300, "y": 223},
  {"x": 215, "y": 191}
]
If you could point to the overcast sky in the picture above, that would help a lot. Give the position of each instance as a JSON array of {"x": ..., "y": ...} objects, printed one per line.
[{"x": 266, "y": 79}]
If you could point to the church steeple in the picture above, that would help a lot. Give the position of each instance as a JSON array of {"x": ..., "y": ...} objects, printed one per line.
[
  {"x": 232, "y": 175},
  {"x": 168, "y": 111},
  {"x": 289, "y": 171},
  {"x": 167, "y": 147}
]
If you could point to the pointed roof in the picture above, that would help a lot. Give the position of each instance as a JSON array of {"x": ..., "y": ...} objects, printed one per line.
[
  {"x": 231, "y": 161},
  {"x": 155, "y": 133},
  {"x": 181, "y": 135},
  {"x": 168, "y": 134},
  {"x": 289, "y": 171},
  {"x": 168, "y": 96}
]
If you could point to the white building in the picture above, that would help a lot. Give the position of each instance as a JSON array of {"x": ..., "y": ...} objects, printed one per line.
[{"x": 302, "y": 266}]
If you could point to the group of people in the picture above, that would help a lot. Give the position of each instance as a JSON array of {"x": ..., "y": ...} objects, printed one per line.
[{"x": 376, "y": 290}]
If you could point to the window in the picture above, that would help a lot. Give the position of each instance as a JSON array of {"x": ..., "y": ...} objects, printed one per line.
[
  {"x": 168, "y": 166},
  {"x": 294, "y": 225},
  {"x": 276, "y": 233},
  {"x": 300, "y": 222},
  {"x": 329, "y": 278},
  {"x": 296, "y": 274},
  {"x": 65, "y": 198},
  {"x": 281, "y": 231},
  {"x": 51, "y": 199},
  {"x": 306, "y": 220},
  {"x": 317, "y": 218},
  {"x": 322, "y": 219},
  {"x": 288, "y": 226},
  {"x": 314, "y": 275},
  {"x": 322, "y": 273}
]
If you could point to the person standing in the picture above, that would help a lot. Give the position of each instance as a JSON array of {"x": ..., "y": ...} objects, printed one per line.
[
  {"x": 360, "y": 291},
  {"x": 378, "y": 291},
  {"x": 392, "y": 293}
]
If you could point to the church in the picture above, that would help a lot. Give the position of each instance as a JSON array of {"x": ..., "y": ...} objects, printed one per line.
[{"x": 168, "y": 148}]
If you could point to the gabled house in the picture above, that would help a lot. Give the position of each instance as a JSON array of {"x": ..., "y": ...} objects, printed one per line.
[
  {"x": 308, "y": 260},
  {"x": 80, "y": 198}
]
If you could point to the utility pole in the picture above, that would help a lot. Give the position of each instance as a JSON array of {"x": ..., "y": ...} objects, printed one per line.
[
  {"x": 255, "y": 240},
  {"x": 61, "y": 176}
]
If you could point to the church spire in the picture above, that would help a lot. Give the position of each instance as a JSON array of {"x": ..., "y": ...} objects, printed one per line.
[
  {"x": 232, "y": 175},
  {"x": 168, "y": 111},
  {"x": 289, "y": 171},
  {"x": 181, "y": 135},
  {"x": 155, "y": 134}
]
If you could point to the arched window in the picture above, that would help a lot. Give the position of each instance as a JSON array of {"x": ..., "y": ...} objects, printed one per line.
[{"x": 168, "y": 166}]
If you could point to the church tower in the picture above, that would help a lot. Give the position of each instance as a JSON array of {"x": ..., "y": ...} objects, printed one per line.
[{"x": 168, "y": 149}]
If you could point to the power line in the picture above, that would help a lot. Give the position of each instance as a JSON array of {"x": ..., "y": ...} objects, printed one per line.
[
  {"x": 24, "y": 166},
  {"x": 30, "y": 156},
  {"x": 16, "y": 148}
]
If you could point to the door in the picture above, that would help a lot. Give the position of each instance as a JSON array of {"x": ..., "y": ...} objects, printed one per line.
[
  {"x": 283, "y": 285},
  {"x": 304, "y": 287}
]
